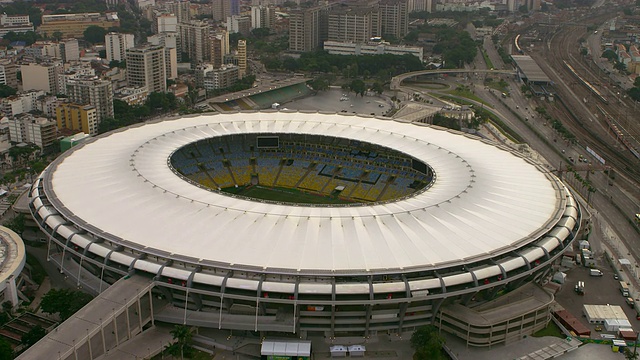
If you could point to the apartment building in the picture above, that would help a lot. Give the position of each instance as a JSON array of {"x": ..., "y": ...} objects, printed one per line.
[
  {"x": 89, "y": 90},
  {"x": 8, "y": 73},
  {"x": 146, "y": 66},
  {"x": 26, "y": 128},
  {"x": 221, "y": 78},
  {"x": 308, "y": 28},
  {"x": 116, "y": 45},
  {"x": 77, "y": 117},
  {"x": 41, "y": 76},
  {"x": 194, "y": 40}
]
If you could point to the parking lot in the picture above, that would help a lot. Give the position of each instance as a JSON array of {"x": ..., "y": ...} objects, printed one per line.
[{"x": 598, "y": 291}]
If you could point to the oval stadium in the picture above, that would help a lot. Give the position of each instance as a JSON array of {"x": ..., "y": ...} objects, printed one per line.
[{"x": 311, "y": 224}]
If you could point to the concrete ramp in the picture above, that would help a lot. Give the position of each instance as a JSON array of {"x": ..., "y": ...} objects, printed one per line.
[{"x": 111, "y": 318}]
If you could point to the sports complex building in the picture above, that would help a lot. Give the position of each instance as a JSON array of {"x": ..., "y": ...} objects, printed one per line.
[{"x": 309, "y": 224}]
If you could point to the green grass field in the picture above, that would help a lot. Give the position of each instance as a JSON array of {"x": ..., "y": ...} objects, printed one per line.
[{"x": 284, "y": 195}]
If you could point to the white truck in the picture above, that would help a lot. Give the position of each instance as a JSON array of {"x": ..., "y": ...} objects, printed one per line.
[{"x": 595, "y": 272}]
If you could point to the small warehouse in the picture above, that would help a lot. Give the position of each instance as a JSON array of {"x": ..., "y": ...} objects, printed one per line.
[
  {"x": 571, "y": 323},
  {"x": 628, "y": 334},
  {"x": 597, "y": 314}
]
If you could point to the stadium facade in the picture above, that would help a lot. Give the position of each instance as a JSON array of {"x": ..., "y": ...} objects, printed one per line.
[{"x": 484, "y": 221}]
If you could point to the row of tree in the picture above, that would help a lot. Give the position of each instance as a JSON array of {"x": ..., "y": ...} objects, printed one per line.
[{"x": 382, "y": 66}]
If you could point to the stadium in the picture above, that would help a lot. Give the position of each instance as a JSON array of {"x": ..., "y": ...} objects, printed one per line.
[{"x": 308, "y": 224}]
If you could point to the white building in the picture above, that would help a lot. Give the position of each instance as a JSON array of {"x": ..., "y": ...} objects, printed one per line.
[
  {"x": 371, "y": 48},
  {"x": 146, "y": 66},
  {"x": 117, "y": 44},
  {"x": 15, "y": 23},
  {"x": 263, "y": 16},
  {"x": 29, "y": 129},
  {"x": 41, "y": 76},
  {"x": 221, "y": 78},
  {"x": 167, "y": 23},
  {"x": 21, "y": 103},
  {"x": 132, "y": 95},
  {"x": 69, "y": 50},
  {"x": 73, "y": 72},
  {"x": 170, "y": 42}
]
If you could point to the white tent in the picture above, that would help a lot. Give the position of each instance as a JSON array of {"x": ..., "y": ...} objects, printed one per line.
[
  {"x": 356, "y": 350},
  {"x": 283, "y": 348},
  {"x": 616, "y": 324},
  {"x": 338, "y": 351}
]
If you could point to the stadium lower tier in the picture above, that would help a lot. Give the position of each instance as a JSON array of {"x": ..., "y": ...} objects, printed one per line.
[{"x": 269, "y": 300}]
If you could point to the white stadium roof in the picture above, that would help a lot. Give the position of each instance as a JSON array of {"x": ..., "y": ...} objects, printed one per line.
[{"x": 485, "y": 200}]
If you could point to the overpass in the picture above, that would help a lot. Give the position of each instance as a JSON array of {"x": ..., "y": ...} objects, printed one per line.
[{"x": 397, "y": 80}]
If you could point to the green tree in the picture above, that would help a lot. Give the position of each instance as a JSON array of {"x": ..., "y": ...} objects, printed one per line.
[
  {"x": 57, "y": 35},
  {"x": 358, "y": 86},
  {"x": 6, "y": 91},
  {"x": 378, "y": 87},
  {"x": 33, "y": 336},
  {"x": 630, "y": 354},
  {"x": 94, "y": 34},
  {"x": 64, "y": 302},
  {"x": 260, "y": 32},
  {"x": 427, "y": 343},
  {"x": 634, "y": 93},
  {"x": 183, "y": 340},
  {"x": 16, "y": 224},
  {"x": 320, "y": 83},
  {"x": 6, "y": 352}
]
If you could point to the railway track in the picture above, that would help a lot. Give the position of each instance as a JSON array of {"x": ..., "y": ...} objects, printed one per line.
[{"x": 575, "y": 115}]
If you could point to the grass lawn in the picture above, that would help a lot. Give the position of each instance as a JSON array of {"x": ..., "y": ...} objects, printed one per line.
[
  {"x": 285, "y": 195},
  {"x": 469, "y": 95},
  {"x": 551, "y": 330}
]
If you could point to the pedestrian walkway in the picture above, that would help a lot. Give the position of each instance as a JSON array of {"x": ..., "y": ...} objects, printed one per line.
[{"x": 553, "y": 350}]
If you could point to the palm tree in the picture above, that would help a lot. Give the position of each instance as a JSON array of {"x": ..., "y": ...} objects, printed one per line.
[{"x": 183, "y": 337}]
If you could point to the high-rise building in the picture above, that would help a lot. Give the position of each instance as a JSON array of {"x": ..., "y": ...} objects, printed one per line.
[
  {"x": 355, "y": 24},
  {"x": 394, "y": 16},
  {"x": 194, "y": 41},
  {"x": 116, "y": 45},
  {"x": 8, "y": 73},
  {"x": 219, "y": 48},
  {"x": 181, "y": 9},
  {"x": 77, "y": 117},
  {"x": 69, "y": 50},
  {"x": 77, "y": 71},
  {"x": 146, "y": 66},
  {"x": 92, "y": 91},
  {"x": 308, "y": 28},
  {"x": 221, "y": 9},
  {"x": 239, "y": 24},
  {"x": 263, "y": 16},
  {"x": 170, "y": 42},
  {"x": 167, "y": 23},
  {"x": 41, "y": 76},
  {"x": 242, "y": 58}
]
